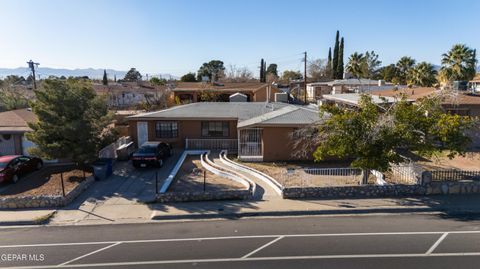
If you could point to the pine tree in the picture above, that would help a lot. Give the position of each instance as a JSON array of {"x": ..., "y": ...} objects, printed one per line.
[
  {"x": 339, "y": 70},
  {"x": 115, "y": 78},
  {"x": 105, "y": 79},
  {"x": 262, "y": 74},
  {"x": 72, "y": 121},
  {"x": 329, "y": 63},
  {"x": 335, "y": 56}
]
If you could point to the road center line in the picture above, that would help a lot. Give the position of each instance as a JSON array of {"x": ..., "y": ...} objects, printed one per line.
[
  {"x": 436, "y": 244},
  {"x": 88, "y": 254},
  {"x": 233, "y": 237},
  {"x": 262, "y": 247}
]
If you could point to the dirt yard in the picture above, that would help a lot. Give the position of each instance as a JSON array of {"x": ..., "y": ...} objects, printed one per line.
[
  {"x": 292, "y": 174},
  {"x": 42, "y": 183},
  {"x": 470, "y": 162},
  {"x": 190, "y": 178}
]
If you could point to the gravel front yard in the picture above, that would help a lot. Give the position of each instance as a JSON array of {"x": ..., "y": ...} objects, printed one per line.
[
  {"x": 299, "y": 178},
  {"x": 470, "y": 162},
  {"x": 190, "y": 178},
  {"x": 41, "y": 183}
]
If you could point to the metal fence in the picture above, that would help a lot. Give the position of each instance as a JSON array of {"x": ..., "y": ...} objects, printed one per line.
[
  {"x": 317, "y": 177},
  {"x": 110, "y": 151},
  {"x": 405, "y": 173},
  {"x": 454, "y": 175},
  {"x": 213, "y": 144},
  {"x": 333, "y": 171}
]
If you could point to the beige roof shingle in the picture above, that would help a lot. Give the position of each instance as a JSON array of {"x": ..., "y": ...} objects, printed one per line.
[{"x": 16, "y": 120}]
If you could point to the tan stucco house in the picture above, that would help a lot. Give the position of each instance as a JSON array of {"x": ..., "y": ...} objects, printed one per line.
[
  {"x": 256, "y": 131},
  {"x": 191, "y": 92}
]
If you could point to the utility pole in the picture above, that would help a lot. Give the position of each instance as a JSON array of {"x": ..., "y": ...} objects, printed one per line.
[
  {"x": 32, "y": 67},
  {"x": 305, "y": 77}
]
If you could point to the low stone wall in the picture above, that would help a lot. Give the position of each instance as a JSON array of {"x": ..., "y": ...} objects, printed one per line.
[
  {"x": 44, "y": 200},
  {"x": 377, "y": 191},
  {"x": 203, "y": 196},
  {"x": 450, "y": 187}
]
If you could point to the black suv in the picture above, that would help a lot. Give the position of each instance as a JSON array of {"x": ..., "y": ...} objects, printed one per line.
[{"x": 151, "y": 154}]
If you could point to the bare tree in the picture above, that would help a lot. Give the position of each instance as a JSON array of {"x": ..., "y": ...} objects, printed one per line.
[
  {"x": 238, "y": 74},
  {"x": 317, "y": 69}
]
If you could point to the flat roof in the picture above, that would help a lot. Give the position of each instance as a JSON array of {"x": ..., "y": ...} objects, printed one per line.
[{"x": 354, "y": 98}]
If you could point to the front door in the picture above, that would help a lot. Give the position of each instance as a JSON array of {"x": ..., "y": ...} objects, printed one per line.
[{"x": 142, "y": 132}]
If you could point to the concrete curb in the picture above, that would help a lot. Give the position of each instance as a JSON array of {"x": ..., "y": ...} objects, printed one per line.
[
  {"x": 43, "y": 219},
  {"x": 364, "y": 211}
]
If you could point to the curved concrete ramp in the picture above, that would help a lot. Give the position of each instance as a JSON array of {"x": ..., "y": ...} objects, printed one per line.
[{"x": 265, "y": 189}]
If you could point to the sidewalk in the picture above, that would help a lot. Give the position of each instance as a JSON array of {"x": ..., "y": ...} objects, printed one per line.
[
  {"x": 450, "y": 205},
  {"x": 25, "y": 217},
  {"x": 122, "y": 211}
]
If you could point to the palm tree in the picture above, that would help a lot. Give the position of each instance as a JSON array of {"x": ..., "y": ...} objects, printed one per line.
[
  {"x": 423, "y": 74},
  {"x": 403, "y": 66},
  {"x": 458, "y": 62},
  {"x": 356, "y": 64}
]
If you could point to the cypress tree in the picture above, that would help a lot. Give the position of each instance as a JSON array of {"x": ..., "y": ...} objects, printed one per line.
[
  {"x": 335, "y": 56},
  {"x": 329, "y": 63},
  {"x": 262, "y": 64},
  {"x": 339, "y": 70},
  {"x": 264, "y": 71},
  {"x": 105, "y": 79}
]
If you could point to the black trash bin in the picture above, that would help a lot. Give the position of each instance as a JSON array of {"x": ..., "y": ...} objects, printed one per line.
[{"x": 100, "y": 170}]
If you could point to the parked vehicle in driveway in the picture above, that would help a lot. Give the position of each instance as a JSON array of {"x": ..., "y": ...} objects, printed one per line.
[
  {"x": 151, "y": 154},
  {"x": 12, "y": 167}
]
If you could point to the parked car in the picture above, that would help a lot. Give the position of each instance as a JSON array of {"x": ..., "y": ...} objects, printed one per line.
[
  {"x": 12, "y": 167},
  {"x": 151, "y": 154}
]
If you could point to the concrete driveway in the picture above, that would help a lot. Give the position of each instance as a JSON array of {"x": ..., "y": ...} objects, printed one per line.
[{"x": 127, "y": 186}]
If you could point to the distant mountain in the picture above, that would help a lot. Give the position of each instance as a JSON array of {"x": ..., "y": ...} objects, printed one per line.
[{"x": 90, "y": 72}]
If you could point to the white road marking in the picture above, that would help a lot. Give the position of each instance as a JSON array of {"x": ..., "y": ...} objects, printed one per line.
[
  {"x": 262, "y": 247},
  {"x": 317, "y": 257},
  {"x": 234, "y": 237},
  {"x": 436, "y": 244},
  {"x": 88, "y": 254}
]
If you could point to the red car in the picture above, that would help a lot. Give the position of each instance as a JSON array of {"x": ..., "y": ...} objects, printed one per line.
[{"x": 12, "y": 167}]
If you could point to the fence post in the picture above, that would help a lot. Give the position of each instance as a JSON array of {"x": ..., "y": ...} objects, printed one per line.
[
  {"x": 156, "y": 182},
  {"x": 204, "y": 180},
  {"x": 63, "y": 185}
]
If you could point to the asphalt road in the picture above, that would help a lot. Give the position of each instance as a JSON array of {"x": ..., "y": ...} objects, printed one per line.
[{"x": 390, "y": 241}]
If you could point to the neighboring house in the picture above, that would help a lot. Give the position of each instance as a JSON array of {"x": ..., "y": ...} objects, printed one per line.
[
  {"x": 257, "y": 131},
  {"x": 474, "y": 84},
  {"x": 457, "y": 102},
  {"x": 316, "y": 90},
  {"x": 352, "y": 100},
  {"x": 131, "y": 94},
  {"x": 13, "y": 126},
  {"x": 192, "y": 92}
]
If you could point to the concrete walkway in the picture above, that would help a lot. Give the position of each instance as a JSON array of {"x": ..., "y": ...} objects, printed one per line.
[
  {"x": 121, "y": 196},
  {"x": 263, "y": 191},
  {"x": 461, "y": 206},
  {"x": 25, "y": 217}
]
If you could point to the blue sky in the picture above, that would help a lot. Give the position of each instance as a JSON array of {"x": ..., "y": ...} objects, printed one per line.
[{"x": 177, "y": 36}]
